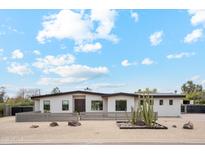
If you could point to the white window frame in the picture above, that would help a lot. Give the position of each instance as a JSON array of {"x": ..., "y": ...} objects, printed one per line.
[{"x": 66, "y": 104}]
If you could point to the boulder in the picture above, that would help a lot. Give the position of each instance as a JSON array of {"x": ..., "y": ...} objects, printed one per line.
[
  {"x": 34, "y": 126},
  {"x": 188, "y": 125},
  {"x": 174, "y": 126},
  {"x": 53, "y": 124},
  {"x": 74, "y": 123}
]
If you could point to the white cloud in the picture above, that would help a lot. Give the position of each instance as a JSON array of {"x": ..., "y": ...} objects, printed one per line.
[
  {"x": 73, "y": 74},
  {"x": 59, "y": 81},
  {"x": 197, "y": 17},
  {"x": 156, "y": 38},
  {"x": 195, "y": 77},
  {"x": 126, "y": 63},
  {"x": 180, "y": 55},
  {"x": 37, "y": 52},
  {"x": 17, "y": 54},
  {"x": 65, "y": 24},
  {"x": 78, "y": 71},
  {"x": 106, "y": 22},
  {"x": 198, "y": 79},
  {"x": 89, "y": 47},
  {"x": 107, "y": 85},
  {"x": 49, "y": 61},
  {"x": 79, "y": 27},
  {"x": 20, "y": 69},
  {"x": 63, "y": 66},
  {"x": 1, "y": 49},
  {"x": 6, "y": 29},
  {"x": 135, "y": 16},
  {"x": 3, "y": 58},
  {"x": 194, "y": 36},
  {"x": 147, "y": 61}
]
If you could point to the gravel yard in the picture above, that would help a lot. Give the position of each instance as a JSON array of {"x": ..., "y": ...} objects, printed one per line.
[{"x": 102, "y": 132}]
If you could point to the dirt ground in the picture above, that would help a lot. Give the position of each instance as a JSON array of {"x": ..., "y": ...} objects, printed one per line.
[{"x": 102, "y": 132}]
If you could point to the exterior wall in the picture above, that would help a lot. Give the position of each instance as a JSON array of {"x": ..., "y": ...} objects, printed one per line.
[
  {"x": 37, "y": 105},
  {"x": 112, "y": 99},
  {"x": 56, "y": 103},
  {"x": 166, "y": 109},
  {"x": 88, "y": 100},
  {"x": 109, "y": 104}
]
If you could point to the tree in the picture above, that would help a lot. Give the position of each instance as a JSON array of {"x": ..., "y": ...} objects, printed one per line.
[
  {"x": 147, "y": 90},
  {"x": 192, "y": 91},
  {"x": 87, "y": 89},
  {"x": 190, "y": 87},
  {"x": 55, "y": 90},
  {"x": 27, "y": 93},
  {"x": 2, "y": 94}
]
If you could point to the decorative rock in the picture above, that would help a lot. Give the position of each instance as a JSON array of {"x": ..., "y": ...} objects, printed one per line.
[
  {"x": 34, "y": 126},
  {"x": 53, "y": 124},
  {"x": 74, "y": 123},
  {"x": 188, "y": 125},
  {"x": 174, "y": 126}
]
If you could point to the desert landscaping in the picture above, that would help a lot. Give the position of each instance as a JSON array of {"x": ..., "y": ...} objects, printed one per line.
[{"x": 102, "y": 132}]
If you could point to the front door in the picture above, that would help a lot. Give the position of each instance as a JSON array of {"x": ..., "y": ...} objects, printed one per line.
[{"x": 80, "y": 105}]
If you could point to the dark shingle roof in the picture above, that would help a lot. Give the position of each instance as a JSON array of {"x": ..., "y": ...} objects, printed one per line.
[
  {"x": 69, "y": 92},
  {"x": 110, "y": 94}
]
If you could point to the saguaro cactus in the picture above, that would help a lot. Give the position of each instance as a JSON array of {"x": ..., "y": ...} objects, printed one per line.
[
  {"x": 149, "y": 116},
  {"x": 144, "y": 112}
]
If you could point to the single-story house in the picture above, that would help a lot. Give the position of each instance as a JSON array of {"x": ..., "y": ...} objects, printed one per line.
[{"x": 165, "y": 104}]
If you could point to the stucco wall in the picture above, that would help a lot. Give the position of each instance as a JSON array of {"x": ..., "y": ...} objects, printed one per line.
[
  {"x": 166, "y": 109},
  {"x": 56, "y": 103},
  {"x": 111, "y": 102},
  {"x": 89, "y": 98},
  {"x": 37, "y": 105}
]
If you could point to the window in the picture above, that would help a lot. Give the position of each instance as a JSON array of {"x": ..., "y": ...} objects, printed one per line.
[
  {"x": 161, "y": 102},
  {"x": 151, "y": 102},
  {"x": 121, "y": 105},
  {"x": 96, "y": 105},
  {"x": 170, "y": 102},
  {"x": 141, "y": 102},
  {"x": 46, "y": 106},
  {"x": 65, "y": 105}
]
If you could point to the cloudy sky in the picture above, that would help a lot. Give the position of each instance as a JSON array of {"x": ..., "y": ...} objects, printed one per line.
[{"x": 106, "y": 50}]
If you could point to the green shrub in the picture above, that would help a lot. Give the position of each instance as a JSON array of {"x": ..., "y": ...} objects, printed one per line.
[
  {"x": 1, "y": 109},
  {"x": 19, "y": 102},
  {"x": 202, "y": 102}
]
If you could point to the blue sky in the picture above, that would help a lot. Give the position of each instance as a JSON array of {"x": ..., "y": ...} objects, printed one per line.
[{"x": 106, "y": 50}]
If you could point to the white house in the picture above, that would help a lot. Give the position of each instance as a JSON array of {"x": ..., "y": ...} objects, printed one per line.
[{"x": 165, "y": 104}]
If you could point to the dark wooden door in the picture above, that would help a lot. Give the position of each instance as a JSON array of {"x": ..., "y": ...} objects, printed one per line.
[{"x": 80, "y": 105}]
